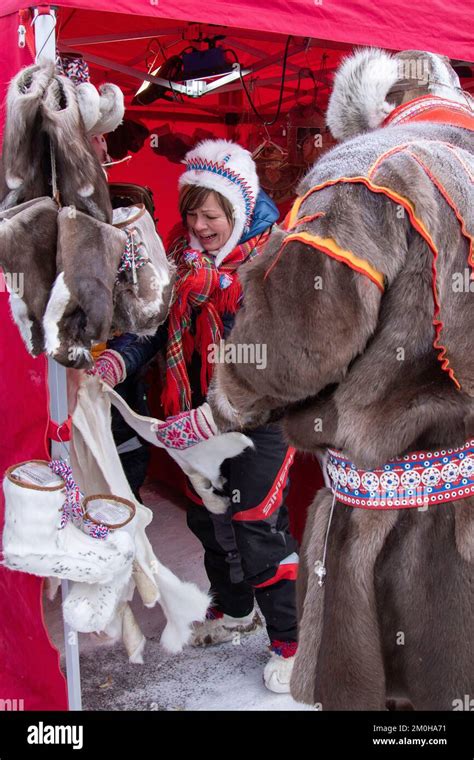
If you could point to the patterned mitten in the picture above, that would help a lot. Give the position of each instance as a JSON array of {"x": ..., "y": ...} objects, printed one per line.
[
  {"x": 110, "y": 367},
  {"x": 187, "y": 429}
]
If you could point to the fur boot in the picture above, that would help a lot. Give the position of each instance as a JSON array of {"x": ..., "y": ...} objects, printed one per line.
[
  {"x": 34, "y": 541},
  {"x": 28, "y": 234},
  {"x": 23, "y": 155},
  {"x": 277, "y": 673},
  {"x": 92, "y": 606},
  {"x": 89, "y": 104},
  {"x": 79, "y": 310},
  {"x": 218, "y": 628},
  {"x": 80, "y": 178},
  {"x": 144, "y": 285},
  {"x": 102, "y": 110}
]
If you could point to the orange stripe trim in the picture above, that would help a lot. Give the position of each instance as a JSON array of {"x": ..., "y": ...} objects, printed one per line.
[
  {"x": 309, "y": 218},
  {"x": 450, "y": 202},
  {"x": 420, "y": 228},
  {"x": 332, "y": 249},
  {"x": 387, "y": 154},
  {"x": 466, "y": 168}
]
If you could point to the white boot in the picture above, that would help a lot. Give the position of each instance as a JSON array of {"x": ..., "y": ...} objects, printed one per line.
[
  {"x": 277, "y": 671},
  {"x": 34, "y": 542},
  {"x": 90, "y": 607},
  {"x": 216, "y": 630}
]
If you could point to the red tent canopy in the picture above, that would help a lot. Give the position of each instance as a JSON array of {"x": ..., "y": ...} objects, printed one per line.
[{"x": 434, "y": 25}]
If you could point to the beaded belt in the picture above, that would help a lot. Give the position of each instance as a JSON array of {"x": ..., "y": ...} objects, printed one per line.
[{"x": 419, "y": 479}]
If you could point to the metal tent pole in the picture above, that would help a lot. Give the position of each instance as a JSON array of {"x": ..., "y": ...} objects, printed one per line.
[{"x": 45, "y": 43}]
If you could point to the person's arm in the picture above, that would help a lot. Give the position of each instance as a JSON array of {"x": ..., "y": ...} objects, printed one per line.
[
  {"x": 137, "y": 351},
  {"x": 128, "y": 353}
]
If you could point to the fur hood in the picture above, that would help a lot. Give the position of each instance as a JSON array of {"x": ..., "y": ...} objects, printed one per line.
[
  {"x": 229, "y": 169},
  {"x": 365, "y": 87}
]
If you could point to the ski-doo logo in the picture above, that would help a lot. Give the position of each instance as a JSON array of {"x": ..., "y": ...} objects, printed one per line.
[{"x": 41, "y": 734}]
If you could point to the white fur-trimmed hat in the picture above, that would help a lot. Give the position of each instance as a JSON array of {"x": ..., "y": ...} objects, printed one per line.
[{"x": 229, "y": 169}]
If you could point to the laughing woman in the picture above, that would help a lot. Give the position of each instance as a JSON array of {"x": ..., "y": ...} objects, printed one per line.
[{"x": 249, "y": 554}]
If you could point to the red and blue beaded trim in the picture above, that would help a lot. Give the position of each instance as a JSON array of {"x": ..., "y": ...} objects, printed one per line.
[
  {"x": 221, "y": 170},
  {"x": 133, "y": 256},
  {"x": 419, "y": 479}
]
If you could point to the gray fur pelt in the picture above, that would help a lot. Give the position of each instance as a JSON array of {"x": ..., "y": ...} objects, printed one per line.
[
  {"x": 361, "y": 364},
  {"x": 44, "y": 125},
  {"x": 80, "y": 307},
  {"x": 141, "y": 303},
  {"x": 28, "y": 258}
]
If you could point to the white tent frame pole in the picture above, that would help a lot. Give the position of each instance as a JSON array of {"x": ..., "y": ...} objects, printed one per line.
[
  {"x": 194, "y": 88},
  {"x": 45, "y": 45}
]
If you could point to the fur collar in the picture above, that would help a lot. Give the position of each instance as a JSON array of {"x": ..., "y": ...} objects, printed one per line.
[{"x": 366, "y": 86}]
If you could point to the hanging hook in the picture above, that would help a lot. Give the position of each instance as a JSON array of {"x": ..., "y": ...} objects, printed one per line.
[
  {"x": 53, "y": 29},
  {"x": 21, "y": 36},
  {"x": 63, "y": 444}
]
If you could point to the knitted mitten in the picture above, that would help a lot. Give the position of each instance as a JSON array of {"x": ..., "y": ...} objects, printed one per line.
[
  {"x": 187, "y": 429},
  {"x": 110, "y": 367}
]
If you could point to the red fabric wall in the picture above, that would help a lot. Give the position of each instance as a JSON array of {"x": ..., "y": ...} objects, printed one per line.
[{"x": 29, "y": 664}]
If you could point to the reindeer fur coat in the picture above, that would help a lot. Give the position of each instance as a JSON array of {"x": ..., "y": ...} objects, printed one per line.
[{"x": 374, "y": 368}]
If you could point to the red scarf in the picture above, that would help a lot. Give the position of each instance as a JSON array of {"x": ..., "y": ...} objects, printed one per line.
[{"x": 212, "y": 292}]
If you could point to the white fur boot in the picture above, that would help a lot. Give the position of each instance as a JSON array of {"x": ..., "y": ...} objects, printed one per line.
[
  {"x": 111, "y": 109},
  {"x": 21, "y": 160},
  {"x": 34, "y": 542},
  {"x": 90, "y": 607},
  {"x": 80, "y": 177},
  {"x": 277, "y": 673}
]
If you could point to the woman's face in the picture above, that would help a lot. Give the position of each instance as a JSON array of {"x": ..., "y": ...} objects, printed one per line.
[{"x": 209, "y": 224}]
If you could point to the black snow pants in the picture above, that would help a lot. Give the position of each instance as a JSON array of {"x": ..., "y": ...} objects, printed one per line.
[{"x": 249, "y": 553}]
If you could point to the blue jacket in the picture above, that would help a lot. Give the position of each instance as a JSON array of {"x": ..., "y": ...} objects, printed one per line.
[
  {"x": 137, "y": 352},
  {"x": 264, "y": 216}
]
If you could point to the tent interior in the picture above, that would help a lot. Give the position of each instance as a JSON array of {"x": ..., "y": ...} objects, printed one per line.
[
  {"x": 267, "y": 91},
  {"x": 274, "y": 106}
]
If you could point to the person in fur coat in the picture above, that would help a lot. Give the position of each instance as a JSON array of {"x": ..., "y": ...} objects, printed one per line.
[
  {"x": 370, "y": 358},
  {"x": 249, "y": 553}
]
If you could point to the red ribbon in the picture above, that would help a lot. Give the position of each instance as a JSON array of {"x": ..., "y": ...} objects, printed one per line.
[{"x": 60, "y": 431}]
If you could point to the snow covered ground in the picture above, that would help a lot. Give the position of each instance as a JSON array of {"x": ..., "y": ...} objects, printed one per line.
[{"x": 225, "y": 677}]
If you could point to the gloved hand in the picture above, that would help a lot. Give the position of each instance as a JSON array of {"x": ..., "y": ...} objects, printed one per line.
[
  {"x": 187, "y": 429},
  {"x": 110, "y": 367}
]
